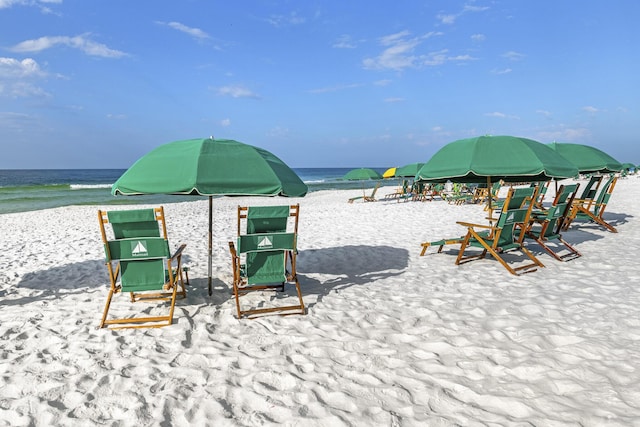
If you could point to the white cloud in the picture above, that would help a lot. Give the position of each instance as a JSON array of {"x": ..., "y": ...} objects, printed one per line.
[
  {"x": 237, "y": 91},
  {"x": 564, "y": 133},
  {"x": 283, "y": 20},
  {"x": 16, "y": 78},
  {"x": 394, "y": 100},
  {"x": 336, "y": 88},
  {"x": 450, "y": 18},
  {"x": 513, "y": 56},
  {"x": 225, "y": 122},
  {"x": 13, "y": 68},
  {"x": 193, "y": 32},
  {"x": 399, "y": 52},
  {"x": 590, "y": 109},
  {"x": 116, "y": 116},
  {"x": 544, "y": 113},
  {"x": 5, "y": 4},
  {"x": 384, "y": 82},
  {"x": 500, "y": 115},
  {"x": 503, "y": 71},
  {"x": 478, "y": 38},
  {"x": 81, "y": 42},
  {"x": 344, "y": 42}
]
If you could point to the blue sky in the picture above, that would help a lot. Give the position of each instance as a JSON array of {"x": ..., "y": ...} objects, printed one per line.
[{"x": 96, "y": 84}]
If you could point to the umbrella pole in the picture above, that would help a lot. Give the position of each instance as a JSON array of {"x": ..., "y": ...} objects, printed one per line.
[
  {"x": 210, "y": 240},
  {"x": 490, "y": 199}
]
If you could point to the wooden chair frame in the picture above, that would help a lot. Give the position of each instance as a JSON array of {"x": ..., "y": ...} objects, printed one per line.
[{"x": 175, "y": 278}]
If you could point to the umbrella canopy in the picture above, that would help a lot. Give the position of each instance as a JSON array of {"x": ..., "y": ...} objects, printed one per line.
[
  {"x": 389, "y": 173},
  {"x": 210, "y": 167},
  {"x": 362, "y": 174},
  {"x": 587, "y": 159},
  {"x": 409, "y": 171},
  {"x": 628, "y": 166},
  {"x": 493, "y": 158}
]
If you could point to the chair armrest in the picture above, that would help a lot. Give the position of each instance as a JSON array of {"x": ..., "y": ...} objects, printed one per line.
[
  {"x": 468, "y": 224},
  {"x": 178, "y": 252}
]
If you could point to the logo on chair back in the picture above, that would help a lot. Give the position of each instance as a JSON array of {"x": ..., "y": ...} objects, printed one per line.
[
  {"x": 265, "y": 243},
  {"x": 138, "y": 248}
]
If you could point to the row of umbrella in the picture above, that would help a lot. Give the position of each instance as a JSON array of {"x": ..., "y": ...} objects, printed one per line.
[
  {"x": 220, "y": 167},
  {"x": 506, "y": 158}
]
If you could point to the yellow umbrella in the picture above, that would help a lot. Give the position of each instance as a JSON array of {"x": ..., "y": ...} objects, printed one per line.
[{"x": 389, "y": 173}]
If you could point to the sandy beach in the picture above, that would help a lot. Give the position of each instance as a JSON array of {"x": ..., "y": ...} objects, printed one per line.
[{"x": 390, "y": 338}]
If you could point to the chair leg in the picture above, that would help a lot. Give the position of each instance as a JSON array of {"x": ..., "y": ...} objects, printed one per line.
[{"x": 106, "y": 309}]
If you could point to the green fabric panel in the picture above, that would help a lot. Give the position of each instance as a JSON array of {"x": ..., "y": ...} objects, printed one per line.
[
  {"x": 266, "y": 242},
  {"x": 134, "y": 223},
  {"x": 142, "y": 275},
  {"x": 266, "y": 267},
  {"x": 267, "y": 219},
  {"x": 265, "y": 256},
  {"x": 566, "y": 192},
  {"x": 138, "y": 248}
]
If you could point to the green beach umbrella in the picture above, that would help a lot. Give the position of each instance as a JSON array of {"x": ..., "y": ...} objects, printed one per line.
[
  {"x": 210, "y": 167},
  {"x": 493, "y": 158},
  {"x": 628, "y": 166},
  {"x": 361, "y": 174},
  {"x": 587, "y": 159},
  {"x": 409, "y": 171}
]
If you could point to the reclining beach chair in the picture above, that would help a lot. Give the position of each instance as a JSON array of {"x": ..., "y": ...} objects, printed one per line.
[
  {"x": 364, "y": 197},
  {"x": 593, "y": 209},
  {"x": 497, "y": 239},
  {"x": 139, "y": 262},
  {"x": 505, "y": 236},
  {"x": 545, "y": 226},
  {"x": 265, "y": 255}
]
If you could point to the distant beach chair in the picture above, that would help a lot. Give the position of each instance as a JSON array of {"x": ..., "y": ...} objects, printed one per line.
[
  {"x": 496, "y": 239},
  {"x": 369, "y": 198},
  {"x": 264, "y": 255},
  {"x": 593, "y": 209},
  {"x": 139, "y": 262},
  {"x": 546, "y": 225}
]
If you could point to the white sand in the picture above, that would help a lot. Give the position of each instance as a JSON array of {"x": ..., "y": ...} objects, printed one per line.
[{"x": 390, "y": 338}]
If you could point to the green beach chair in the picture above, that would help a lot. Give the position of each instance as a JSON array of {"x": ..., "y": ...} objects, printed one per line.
[
  {"x": 259, "y": 262},
  {"x": 593, "y": 209},
  {"x": 267, "y": 259},
  {"x": 545, "y": 226},
  {"x": 139, "y": 262},
  {"x": 505, "y": 236},
  {"x": 364, "y": 197}
]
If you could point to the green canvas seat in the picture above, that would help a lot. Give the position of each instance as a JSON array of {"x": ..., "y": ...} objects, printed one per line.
[
  {"x": 265, "y": 255},
  {"x": 139, "y": 262},
  {"x": 260, "y": 262},
  {"x": 545, "y": 227},
  {"x": 591, "y": 209}
]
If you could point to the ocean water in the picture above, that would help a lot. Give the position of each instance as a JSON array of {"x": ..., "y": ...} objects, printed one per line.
[{"x": 35, "y": 189}]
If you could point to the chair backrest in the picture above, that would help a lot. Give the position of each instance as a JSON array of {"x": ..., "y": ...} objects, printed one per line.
[
  {"x": 514, "y": 212},
  {"x": 267, "y": 219},
  {"x": 140, "y": 246},
  {"x": 266, "y": 256},
  {"x": 136, "y": 222},
  {"x": 590, "y": 190},
  {"x": 520, "y": 196},
  {"x": 604, "y": 196},
  {"x": 559, "y": 209}
]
